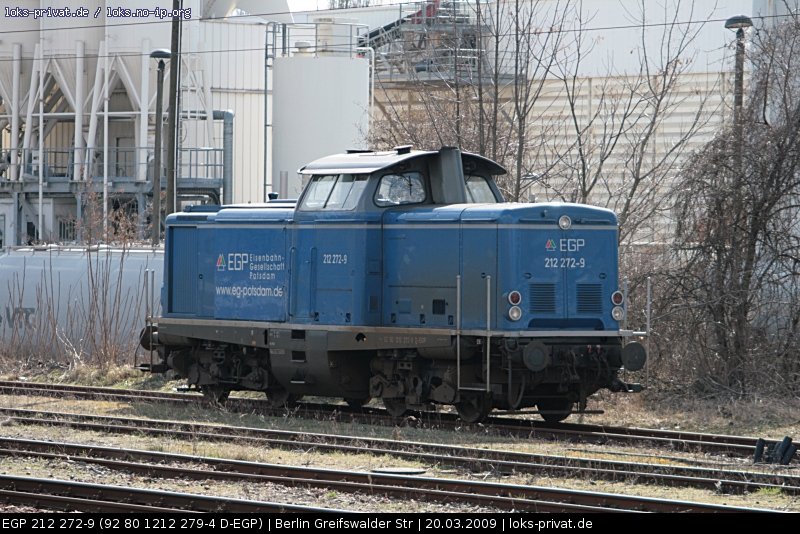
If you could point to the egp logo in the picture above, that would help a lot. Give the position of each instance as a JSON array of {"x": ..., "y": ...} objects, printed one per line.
[
  {"x": 564, "y": 245},
  {"x": 236, "y": 261},
  {"x": 570, "y": 245}
]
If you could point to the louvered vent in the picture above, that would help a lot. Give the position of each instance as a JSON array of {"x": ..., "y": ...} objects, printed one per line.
[
  {"x": 590, "y": 298},
  {"x": 543, "y": 298}
]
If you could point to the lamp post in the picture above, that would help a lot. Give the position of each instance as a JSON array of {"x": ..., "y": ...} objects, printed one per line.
[
  {"x": 738, "y": 23},
  {"x": 160, "y": 54}
]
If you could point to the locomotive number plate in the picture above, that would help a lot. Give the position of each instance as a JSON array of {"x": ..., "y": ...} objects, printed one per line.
[{"x": 564, "y": 263}]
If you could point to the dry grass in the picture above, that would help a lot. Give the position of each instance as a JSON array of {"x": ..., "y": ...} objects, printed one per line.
[{"x": 756, "y": 416}]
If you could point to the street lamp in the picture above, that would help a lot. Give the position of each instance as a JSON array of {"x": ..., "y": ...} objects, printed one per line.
[
  {"x": 738, "y": 23},
  {"x": 160, "y": 54}
]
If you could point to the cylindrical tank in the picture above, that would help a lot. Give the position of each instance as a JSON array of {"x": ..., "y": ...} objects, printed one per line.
[
  {"x": 19, "y": 29},
  {"x": 320, "y": 107},
  {"x": 335, "y": 36},
  {"x": 68, "y": 304},
  {"x": 23, "y": 31}
]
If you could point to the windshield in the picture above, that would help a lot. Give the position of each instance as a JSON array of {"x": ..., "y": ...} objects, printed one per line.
[
  {"x": 478, "y": 190},
  {"x": 402, "y": 188},
  {"x": 334, "y": 192}
]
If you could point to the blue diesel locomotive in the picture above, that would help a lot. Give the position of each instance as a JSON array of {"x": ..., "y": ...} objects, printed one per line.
[{"x": 397, "y": 275}]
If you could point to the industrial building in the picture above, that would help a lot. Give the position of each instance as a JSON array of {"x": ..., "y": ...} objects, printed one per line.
[
  {"x": 78, "y": 115},
  {"x": 263, "y": 90}
]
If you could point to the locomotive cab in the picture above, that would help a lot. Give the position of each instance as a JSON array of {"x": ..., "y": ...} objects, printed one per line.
[{"x": 403, "y": 276}]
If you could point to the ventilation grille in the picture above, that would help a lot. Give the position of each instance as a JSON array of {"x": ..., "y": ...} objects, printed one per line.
[
  {"x": 590, "y": 298},
  {"x": 543, "y": 298}
]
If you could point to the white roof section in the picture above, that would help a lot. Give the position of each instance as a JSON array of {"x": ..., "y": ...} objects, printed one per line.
[{"x": 271, "y": 10}]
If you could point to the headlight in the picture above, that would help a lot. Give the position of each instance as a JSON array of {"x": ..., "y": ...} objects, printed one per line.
[
  {"x": 618, "y": 313},
  {"x": 617, "y": 297},
  {"x": 514, "y": 298},
  {"x": 515, "y": 313},
  {"x": 564, "y": 222}
]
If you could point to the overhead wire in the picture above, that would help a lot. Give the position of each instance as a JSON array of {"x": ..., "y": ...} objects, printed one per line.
[{"x": 243, "y": 16}]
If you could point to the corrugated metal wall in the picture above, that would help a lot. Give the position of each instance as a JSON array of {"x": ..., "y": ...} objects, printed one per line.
[{"x": 236, "y": 64}]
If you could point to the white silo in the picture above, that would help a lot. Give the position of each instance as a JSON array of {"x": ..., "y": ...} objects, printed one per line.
[
  {"x": 320, "y": 101},
  {"x": 17, "y": 50}
]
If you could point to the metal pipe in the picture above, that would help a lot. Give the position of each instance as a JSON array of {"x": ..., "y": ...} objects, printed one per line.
[
  {"x": 147, "y": 314},
  {"x": 105, "y": 145},
  {"x": 152, "y": 310},
  {"x": 227, "y": 155},
  {"x": 39, "y": 232},
  {"x": 488, "y": 326},
  {"x": 458, "y": 332},
  {"x": 156, "y": 216},
  {"x": 144, "y": 112},
  {"x": 90, "y": 138},
  {"x": 174, "y": 64},
  {"x": 80, "y": 50},
  {"x": 371, "y": 75},
  {"x": 649, "y": 304},
  {"x": 15, "y": 103},
  {"x": 26, "y": 138},
  {"x": 270, "y": 31},
  {"x": 647, "y": 341}
]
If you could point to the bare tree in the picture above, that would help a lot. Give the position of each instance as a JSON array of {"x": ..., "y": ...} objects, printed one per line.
[
  {"x": 475, "y": 85},
  {"x": 737, "y": 256},
  {"x": 530, "y": 72},
  {"x": 613, "y": 150}
]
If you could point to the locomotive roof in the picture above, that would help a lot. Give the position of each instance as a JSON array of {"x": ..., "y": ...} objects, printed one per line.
[{"x": 366, "y": 162}]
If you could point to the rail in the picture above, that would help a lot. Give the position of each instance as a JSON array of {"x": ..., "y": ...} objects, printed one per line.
[
  {"x": 476, "y": 459},
  {"x": 741, "y": 446}
]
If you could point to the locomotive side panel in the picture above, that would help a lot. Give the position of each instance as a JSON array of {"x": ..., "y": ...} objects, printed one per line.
[
  {"x": 182, "y": 261},
  {"x": 421, "y": 259},
  {"x": 189, "y": 283},
  {"x": 590, "y": 274},
  {"x": 479, "y": 289},
  {"x": 251, "y": 272}
]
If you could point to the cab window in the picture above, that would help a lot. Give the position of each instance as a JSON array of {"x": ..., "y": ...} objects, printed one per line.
[
  {"x": 401, "y": 188},
  {"x": 334, "y": 192},
  {"x": 478, "y": 190}
]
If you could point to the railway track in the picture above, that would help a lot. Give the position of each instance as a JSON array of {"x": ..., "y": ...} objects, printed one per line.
[
  {"x": 737, "y": 446},
  {"x": 510, "y": 497},
  {"x": 69, "y": 495},
  {"x": 473, "y": 459}
]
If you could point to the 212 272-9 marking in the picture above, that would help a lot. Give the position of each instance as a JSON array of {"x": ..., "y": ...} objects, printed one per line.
[
  {"x": 334, "y": 259},
  {"x": 564, "y": 263}
]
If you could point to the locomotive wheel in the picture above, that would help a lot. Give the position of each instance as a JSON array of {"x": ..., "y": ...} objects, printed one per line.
[
  {"x": 277, "y": 397},
  {"x": 396, "y": 407},
  {"x": 215, "y": 393},
  {"x": 554, "y": 410},
  {"x": 356, "y": 402},
  {"x": 474, "y": 408}
]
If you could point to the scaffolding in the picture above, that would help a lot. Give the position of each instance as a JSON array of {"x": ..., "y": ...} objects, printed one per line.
[{"x": 432, "y": 40}]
